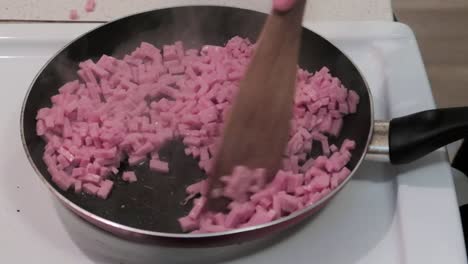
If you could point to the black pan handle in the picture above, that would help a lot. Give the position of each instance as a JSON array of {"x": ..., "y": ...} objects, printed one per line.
[{"x": 414, "y": 136}]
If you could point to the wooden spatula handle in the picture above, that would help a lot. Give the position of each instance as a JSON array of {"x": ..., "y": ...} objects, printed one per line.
[{"x": 257, "y": 131}]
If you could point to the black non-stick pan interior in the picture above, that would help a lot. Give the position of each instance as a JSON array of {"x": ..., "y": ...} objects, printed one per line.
[{"x": 154, "y": 202}]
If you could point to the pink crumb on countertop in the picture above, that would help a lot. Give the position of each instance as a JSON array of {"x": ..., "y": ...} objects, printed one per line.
[
  {"x": 74, "y": 14},
  {"x": 125, "y": 109},
  {"x": 90, "y": 5}
]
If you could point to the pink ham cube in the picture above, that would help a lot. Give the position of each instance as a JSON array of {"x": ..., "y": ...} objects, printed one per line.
[
  {"x": 159, "y": 166},
  {"x": 105, "y": 189},
  {"x": 90, "y": 188},
  {"x": 129, "y": 176}
]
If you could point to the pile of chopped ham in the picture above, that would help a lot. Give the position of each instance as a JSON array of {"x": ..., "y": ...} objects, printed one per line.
[{"x": 126, "y": 109}]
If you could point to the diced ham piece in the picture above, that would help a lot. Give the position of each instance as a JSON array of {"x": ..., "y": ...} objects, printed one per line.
[
  {"x": 237, "y": 185},
  {"x": 63, "y": 182},
  {"x": 188, "y": 224},
  {"x": 348, "y": 145},
  {"x": 105, "y": 189},
  {"x": 288, "y": 203},
  {"x": 136, "y": 159},
  {"x": 353, "y": 101},
  {"x": 197, "y": 188},
  {"x": 91, "y": 178},
  {"x": 90, "y": 188},
  {"x": 320, "y": 182},
  {"x": 261, "y": 216},
  {"x": 336, "y": 126},
  {"x": 77, "y": 172},
  {"x": 197, "y": 207},
  {"x": 78, "y": 185},
  {"x": 129, "y": 176},
  {"x": 159, "y": 166},
  {"x": 239, "y": 214},
  {"x": 293, "y": 182}
]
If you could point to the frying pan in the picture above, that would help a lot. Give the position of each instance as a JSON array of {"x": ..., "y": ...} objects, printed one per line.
[{"x": 148, "y": 210}]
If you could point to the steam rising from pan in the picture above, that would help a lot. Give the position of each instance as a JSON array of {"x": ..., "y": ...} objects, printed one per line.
[{"x": 194, "y": 26}]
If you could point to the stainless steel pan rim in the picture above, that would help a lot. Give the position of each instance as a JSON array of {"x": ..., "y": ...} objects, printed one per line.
[{"x": 145, "y": 235}]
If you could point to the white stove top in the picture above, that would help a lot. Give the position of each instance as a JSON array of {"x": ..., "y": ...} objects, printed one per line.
[{"x": 386, "y": 214}]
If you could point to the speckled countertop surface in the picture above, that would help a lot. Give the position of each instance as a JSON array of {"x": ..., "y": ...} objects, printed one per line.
[{"x": 58, "y": 10}]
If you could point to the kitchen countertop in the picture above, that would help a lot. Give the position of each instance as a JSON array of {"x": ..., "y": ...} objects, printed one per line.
[{"x": 58, "y": 10}]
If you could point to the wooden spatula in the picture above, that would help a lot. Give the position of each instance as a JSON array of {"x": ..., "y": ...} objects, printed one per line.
[{"x": 257, "y": 130}]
